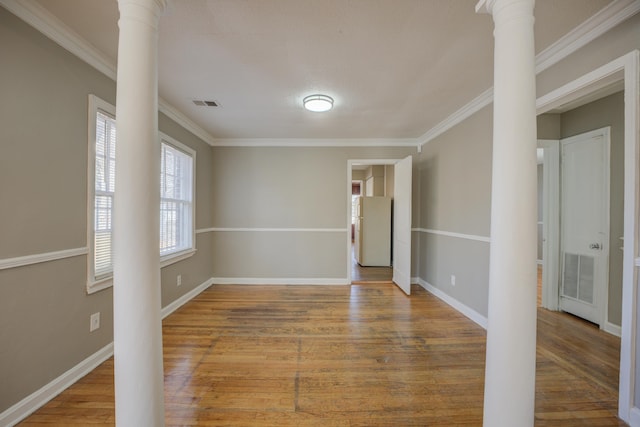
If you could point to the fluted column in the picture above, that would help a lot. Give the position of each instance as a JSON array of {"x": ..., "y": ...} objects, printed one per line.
[
  {"x": 509, "y": 392},
  {"x": 136, "y": 290}
]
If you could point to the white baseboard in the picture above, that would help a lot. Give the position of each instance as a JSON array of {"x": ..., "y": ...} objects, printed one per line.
[
  {"x": 35, "y": 400},
  {"x": 39, "y": 398},
  {"x": 634, "y": 418},
  {"x": 278, "y": 281},
  {"x": 185, "y": 298},
  {"x": 467, "y": 311},
  {"x": 613, "y": 329}
]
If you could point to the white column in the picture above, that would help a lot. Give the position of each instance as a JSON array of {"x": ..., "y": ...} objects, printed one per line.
[
  {"x": 136, "y": 289},
  {"x": 509, "y": 392}
]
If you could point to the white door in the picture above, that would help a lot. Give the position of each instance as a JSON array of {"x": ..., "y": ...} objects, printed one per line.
[
  {"x": 402, "y": 224},
  {"x": 584, "y": 222}
]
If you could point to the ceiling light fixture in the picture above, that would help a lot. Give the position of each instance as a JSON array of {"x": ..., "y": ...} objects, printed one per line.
[{"x": 318, "y": 103}]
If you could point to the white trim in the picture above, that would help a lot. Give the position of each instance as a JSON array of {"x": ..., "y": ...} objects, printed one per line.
[
  {"x": 170, "y": 308},
  {"x": 177, "y": 257},
  {"x": 467, "y": 311},
  {"x": 184, "y": 121},
  {"x": 44, "y": 21},
  {"x": 468, "y": 110},
  {"x": 629, "y": 66},
  {"x": 607, "y": 18},
  {"x": 452, "y": 234},
  {"x": 22, "y": 261},
  {"x": 41, "y": 19},
  {"x": 39, "y": 398},
  {"x": 94, "y": 286},
  {"x": 612, "y": 329},
  {"x": 634, "y": 417},
  {"x": 550, "y": 222},
  {"x": 588, "y": 83},
  {"x": 636, "y": 262},
  {"x": 350, "y": 164},
  {"x": 539, "y": 262},
  {"x": 277, "y": 230},
  {"x": 174, "y": 257},
  {"x": 316, "y": 142},
  {"x": 278, "y": 281},
  {"x": 205, "y": 230},
  {"x": 94, "y": 105}
]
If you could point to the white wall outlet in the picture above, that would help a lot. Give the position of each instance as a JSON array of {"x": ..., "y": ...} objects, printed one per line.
[
  {"x": 453, "y": 280},
  {"x": 94, "y": 322},
  {"x": 179, "y": 280}
]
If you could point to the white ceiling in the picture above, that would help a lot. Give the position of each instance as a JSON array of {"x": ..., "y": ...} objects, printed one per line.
[{"x": 395, "y": 68}]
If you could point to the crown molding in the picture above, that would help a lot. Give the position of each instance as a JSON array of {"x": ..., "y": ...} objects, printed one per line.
[
  {"x": 316, "y": 142},
  {"x": 184, "y": 121},
  {"x": 42, "y": 20},
  {"x": 49, "y": 25},
  {"x": 478, "y": 103},
  {"x": 607, "y": 18},
  {"x": 610, "y": 16}
]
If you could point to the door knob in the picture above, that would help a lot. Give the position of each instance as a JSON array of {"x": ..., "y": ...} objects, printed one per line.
[{"x": 594, "y": 246}]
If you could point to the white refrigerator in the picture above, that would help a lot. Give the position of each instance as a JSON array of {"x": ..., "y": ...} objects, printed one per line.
[{"x": 373, "y": 231}]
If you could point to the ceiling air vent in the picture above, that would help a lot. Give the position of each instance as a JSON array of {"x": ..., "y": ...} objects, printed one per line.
[{"x": 206, "y": 103}]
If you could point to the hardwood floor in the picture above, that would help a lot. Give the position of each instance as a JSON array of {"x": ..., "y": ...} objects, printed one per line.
[
  {"x": 360, "y": 355},
  {"x": 361, "y": 274}
]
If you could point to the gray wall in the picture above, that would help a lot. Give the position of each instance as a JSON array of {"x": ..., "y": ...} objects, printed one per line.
[
  {"x": 608, "y": 111},
  {"x": 455, "y": 181},
  {"x": 284, "y": 187},
  {"x": 455, "y": 197},
  {"x": 44, "y": 308}
]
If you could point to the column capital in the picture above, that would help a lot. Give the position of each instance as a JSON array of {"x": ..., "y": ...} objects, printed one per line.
[
  {"x": 492, "y": 6},
  {"x": 148, "y": 11},
  {"x": 485, "y": 6}
]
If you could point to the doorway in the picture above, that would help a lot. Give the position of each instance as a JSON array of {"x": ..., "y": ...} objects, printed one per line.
[
  {"x": 370, "y": 184},
  {"x": 398, "y": 184},
  {"x": 623, "y": 70}
]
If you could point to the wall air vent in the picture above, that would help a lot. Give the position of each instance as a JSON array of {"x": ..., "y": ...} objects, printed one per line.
[{"x": 206, "y": 103}]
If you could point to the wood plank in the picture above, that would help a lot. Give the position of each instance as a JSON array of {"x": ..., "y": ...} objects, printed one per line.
[{"x": 360, "y": 355}]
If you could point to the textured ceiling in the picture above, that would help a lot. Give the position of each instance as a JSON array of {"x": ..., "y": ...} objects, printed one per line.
[{"x": 396, "y": 68}]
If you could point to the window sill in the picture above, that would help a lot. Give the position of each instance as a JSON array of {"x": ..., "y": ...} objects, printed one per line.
[
  {"x": 94, "y": 286},
  {"x": 176, "y": 257}
]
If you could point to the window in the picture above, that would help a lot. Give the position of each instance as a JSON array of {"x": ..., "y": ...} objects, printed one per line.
[
  {"x": 105, "y": 180},
  {"x": 176, "y": 197},
  {"x": 177, "y": 211}
]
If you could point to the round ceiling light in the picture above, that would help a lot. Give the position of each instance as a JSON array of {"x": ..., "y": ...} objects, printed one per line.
[{"x": 318, "y": 103}]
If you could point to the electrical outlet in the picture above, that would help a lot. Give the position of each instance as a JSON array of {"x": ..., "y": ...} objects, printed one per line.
[
  {"x": 179, "y": 280},
  {"x": 94, "y": 322},
  {"x": 453, "y": 280}
]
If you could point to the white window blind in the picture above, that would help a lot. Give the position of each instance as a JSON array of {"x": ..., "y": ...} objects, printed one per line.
[
  {"x": 177, "y": 204},
  {"x": 105, "y": 176},
  {"x": 176, "y": 200}
]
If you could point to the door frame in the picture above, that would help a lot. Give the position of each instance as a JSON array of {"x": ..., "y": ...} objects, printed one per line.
[
  {"x": 626, "y": 68},
  {"x": 350, "y": 164},
  {"x": 550, "y": 222}
]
